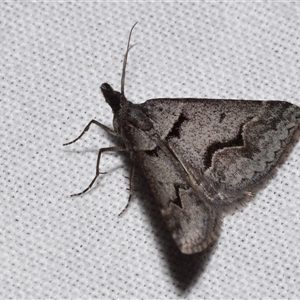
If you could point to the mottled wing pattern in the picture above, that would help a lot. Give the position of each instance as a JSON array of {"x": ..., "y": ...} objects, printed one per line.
[
  {"x": 233, "y": 143},
  {"x": 192, "y": 223},
  {"x": 227, "y": 145}
]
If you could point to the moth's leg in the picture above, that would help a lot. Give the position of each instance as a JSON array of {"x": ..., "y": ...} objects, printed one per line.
[
  {"x": 130, "y": 188},
  {"x": 98, "y": 166},
  {"x": 112, "y": 132}
]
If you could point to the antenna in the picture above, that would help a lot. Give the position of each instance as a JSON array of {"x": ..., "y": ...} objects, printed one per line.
[{"x": 125, "y": 62}]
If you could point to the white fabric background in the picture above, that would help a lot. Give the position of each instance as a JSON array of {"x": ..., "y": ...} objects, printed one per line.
[{"x": 54, "y": 57}]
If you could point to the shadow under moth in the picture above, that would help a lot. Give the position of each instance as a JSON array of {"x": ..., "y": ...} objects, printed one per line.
[{"x": 199, "y": 156}]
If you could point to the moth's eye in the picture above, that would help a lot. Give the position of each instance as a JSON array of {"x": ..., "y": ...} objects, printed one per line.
[
  {"x": 107, "y": 91},
  {"x": 105, "y": 87},
  {"x": 112, "y": 97}
]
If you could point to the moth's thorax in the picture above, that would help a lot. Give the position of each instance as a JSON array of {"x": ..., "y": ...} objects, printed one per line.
[
  {"x": 134, "y": 126},
  {"x": 130, "y": 121},
  {"x": 120, "y": 116}
]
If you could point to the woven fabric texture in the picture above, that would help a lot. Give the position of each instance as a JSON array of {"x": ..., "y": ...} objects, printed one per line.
[{"x": 54, "y": 57}]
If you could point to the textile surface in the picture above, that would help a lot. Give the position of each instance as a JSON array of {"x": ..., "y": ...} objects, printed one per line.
[{"x": 54, "y": 57}]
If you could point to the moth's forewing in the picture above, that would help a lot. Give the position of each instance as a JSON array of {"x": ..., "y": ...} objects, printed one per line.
[{"x": 233, "y": 143}]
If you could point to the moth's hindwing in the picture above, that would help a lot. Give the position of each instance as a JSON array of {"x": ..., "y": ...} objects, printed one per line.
[{"x": 193, "y": 223}]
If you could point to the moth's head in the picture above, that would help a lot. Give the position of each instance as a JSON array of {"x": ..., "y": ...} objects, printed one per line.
[{"x": 113, "y": 98}]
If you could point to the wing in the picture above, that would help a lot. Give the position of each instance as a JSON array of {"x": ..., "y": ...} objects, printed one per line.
[
  {"x": 198, "y": 154},
  {"x": 230, "y": 144},
  {"x": 192, "y": 223}
]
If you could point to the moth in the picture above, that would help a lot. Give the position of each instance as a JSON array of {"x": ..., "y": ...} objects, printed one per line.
[{"x": 199, "y": 156}]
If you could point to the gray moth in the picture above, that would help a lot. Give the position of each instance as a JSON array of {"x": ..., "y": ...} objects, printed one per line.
[{"x": 199, "y": 156}]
